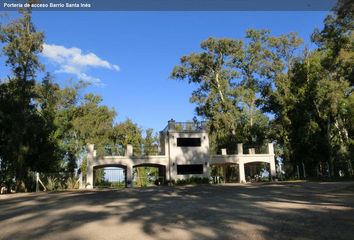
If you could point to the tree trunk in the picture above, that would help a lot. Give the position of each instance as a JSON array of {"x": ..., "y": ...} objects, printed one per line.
[{"x": 329, "y": 145}]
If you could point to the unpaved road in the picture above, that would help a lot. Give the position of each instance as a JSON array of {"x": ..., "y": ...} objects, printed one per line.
[{"x": 252, "y": 211}]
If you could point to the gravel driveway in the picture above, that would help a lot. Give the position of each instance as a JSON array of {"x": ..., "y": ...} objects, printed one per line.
[{"x": 251, "y": 211}]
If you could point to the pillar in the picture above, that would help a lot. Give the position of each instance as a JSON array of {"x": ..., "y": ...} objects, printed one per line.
[
  {"x": 129, "y": 176},
  {"x": 271, "y": 160},
  {"x": 251, "y": 151},
  {"x": 171, "y": 124},
  {"x": 206, "y": 168},
  {"x": 241, "y": 170},
  {"x": 241, "y": 165},
  {"x": 223, "y": 152},
  {"x": 129, "y": 150},
  {"x": 89, "y": 168},
  {"x": 129, "y": 171},
  {"x": 81, "y": 185},
  {"x": 239, "y": 148}
]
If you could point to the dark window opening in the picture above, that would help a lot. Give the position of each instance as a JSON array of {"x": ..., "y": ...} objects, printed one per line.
[
  {"x": 190, "y": 169},
  {"x": 189, "y": 142}
]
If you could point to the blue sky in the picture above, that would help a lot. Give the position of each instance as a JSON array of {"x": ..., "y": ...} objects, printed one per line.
[{"x": 131, "y": 54}]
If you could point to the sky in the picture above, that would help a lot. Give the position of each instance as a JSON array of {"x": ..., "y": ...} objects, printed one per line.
[{"x": 128, "y": 56}]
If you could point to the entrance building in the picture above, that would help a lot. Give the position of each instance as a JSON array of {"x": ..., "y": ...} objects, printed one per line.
[{"x": 183, "y": 153}]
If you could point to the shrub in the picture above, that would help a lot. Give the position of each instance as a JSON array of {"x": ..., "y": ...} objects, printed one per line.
[
  {"x": 52, "y": 183},
  {"x": 72, "y": 183},
  {"x": 117, "y": 185},
  {"x": 193, "y": 180}
]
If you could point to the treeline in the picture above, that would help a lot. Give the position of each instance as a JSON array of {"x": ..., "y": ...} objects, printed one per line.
[
  {"x": 273, "y": 88},
  {"x": 45, "y": 127},
  {"x": 263, "y": 88}
]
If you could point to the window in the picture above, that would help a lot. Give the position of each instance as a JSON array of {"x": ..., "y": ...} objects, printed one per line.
[
  {"x": 190, "y": 169},
  {"x": 189, "y": 142}
]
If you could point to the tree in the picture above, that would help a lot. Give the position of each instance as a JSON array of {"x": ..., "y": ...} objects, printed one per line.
[
  {"x": 336, "y": 45},
  {"x": 213, "y": 72},
  {"x": 43, "y": 127},
  {"x": 126, "y": 133},
  {"x": 277, "y": 94},
  {"x": 150, "y": 142},
  {"x": 310, "y": 95},
  {"x": 229, "y": 73},
  {"x": 93, "y": 122},
  {"x": 59, "y": 106},
  {"x": 24, "y": 131}
]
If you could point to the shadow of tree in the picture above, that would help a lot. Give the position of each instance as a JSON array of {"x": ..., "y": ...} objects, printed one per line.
[{"x": 254, "y": 211}]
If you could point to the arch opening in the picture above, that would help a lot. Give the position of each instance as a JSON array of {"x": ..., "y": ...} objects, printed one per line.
[
  {"x": 110, "y": 176},
  {"x": 146, "y": 175},
  {"x": 225, "y": 173},
  {"x": 257, "y": 172}
]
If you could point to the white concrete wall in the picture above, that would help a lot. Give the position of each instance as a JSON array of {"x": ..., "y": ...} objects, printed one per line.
[
  {"x": 127, "y": 162},
  {"x": 188, "y": 155},
  {"x": 174, "y": 155},
  {"x": 242, "y": 159}
]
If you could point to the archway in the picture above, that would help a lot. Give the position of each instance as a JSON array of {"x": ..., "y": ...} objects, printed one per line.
[
  {"x": 110, "y": 176},
  {"x": 149, "y": 174},
  {"x": 257, "y": 171},
  {"x": 225, "y": 173}
]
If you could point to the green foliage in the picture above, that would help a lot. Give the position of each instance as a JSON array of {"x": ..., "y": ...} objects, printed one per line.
[
  {"x": 52, "y": 184},
  {"x": 145, "y": 176},
  {"x": 99, "y": 176},
  {"x": 83, "y": 166},
  {"x": 72, "y": 183},
  {"x": 93, "y": 123},
  {"x": 239, "y": 83},
  {"x": 126, "y": 133},
  {"x": 50, "y": 128},
  {"x": 26, "y": 142},
  {"x": 229, "y": 74},
  {"x": 309, "y": 95},
  {"x": 107, "y": 184},
  {"x": 150, "y": 142},
  {"x": 192, "y": 180}
]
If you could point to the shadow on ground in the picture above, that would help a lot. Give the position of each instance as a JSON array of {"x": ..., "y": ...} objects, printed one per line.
[{"x": 255, "y": 211}]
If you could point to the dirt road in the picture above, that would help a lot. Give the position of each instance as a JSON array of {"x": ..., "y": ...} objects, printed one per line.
[{"x": 252, "y": 211}]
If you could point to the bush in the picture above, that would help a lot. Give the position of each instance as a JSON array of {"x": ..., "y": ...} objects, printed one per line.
[
  {"x": 117, "y": 185},
  {"x": 52, "y": 184},
  {"x": 72, "y": 183},
  {"x": 193, "y": 180}
]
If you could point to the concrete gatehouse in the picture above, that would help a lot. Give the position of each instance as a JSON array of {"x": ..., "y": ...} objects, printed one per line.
[{"x": 183, "y": 152}]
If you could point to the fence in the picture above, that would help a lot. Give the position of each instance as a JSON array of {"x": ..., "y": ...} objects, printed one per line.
[
  {"x": 114, "y": 150},
  {"x": 55, "y": 181}
]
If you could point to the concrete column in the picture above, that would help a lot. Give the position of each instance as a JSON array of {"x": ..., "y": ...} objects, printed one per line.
[
  {"x": 241, "y": 170},
  {"x": 224, "y": 172},
  {"x": 206, "y": 169},
  {"x": 129, "y": 176},
  {"x": 172, "y": 124},
  {"x": 89, "y": 168},
  {"x": 81, "y": 186},
  {"x": 167, "y": 174},
  {"x": 166, "y": 141},
  {"x": 241, "y": 165},
  {"x": 223, "y": 152},
  {"x": 129, "y": 150},
  {"x": 271, "y": 160},
  {"x": 239, "y": 148},
  {"x": 270, "y": 148}
]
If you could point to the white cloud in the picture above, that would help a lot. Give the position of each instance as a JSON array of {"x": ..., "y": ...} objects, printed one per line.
[{"x": 74, "y": 61}]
